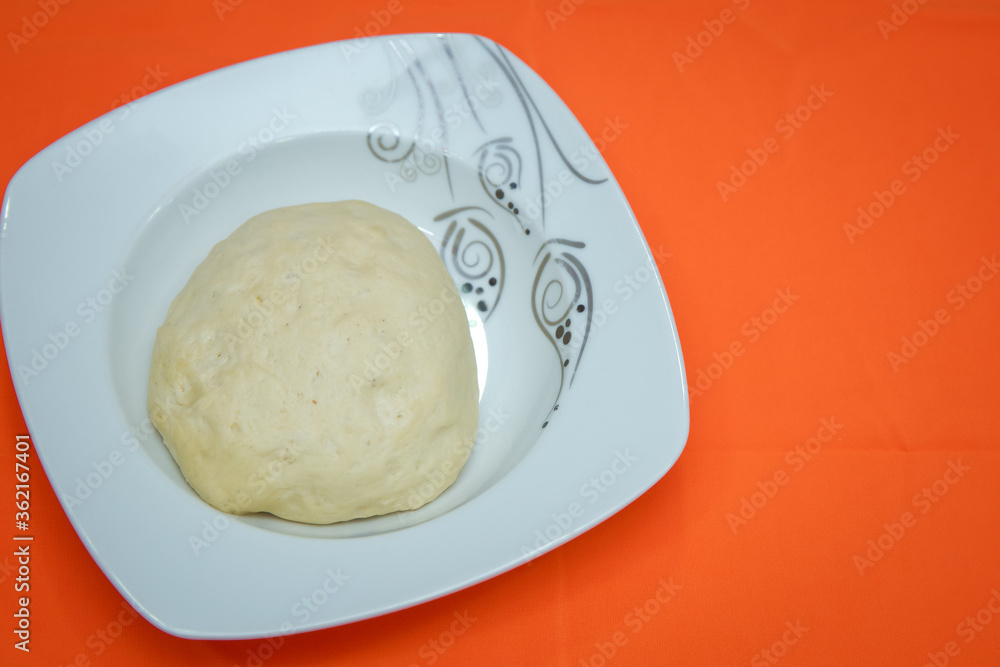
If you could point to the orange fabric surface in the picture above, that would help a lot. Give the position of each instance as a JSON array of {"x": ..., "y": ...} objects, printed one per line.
[{"x": 838, "y": 499}]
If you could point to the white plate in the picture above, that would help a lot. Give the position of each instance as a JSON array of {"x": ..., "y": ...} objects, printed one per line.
[{"x": 103, "y": 227}]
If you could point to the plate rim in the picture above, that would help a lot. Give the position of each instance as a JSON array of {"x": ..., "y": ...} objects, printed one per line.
[{"x": 680, "y": 435}]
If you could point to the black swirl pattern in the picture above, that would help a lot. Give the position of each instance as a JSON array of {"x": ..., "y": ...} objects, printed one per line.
[
  {"x": 562, "y": 302},
  {"x": 473, "y": 253},
  {"x": 561, "y": 292},
  {"x": 533, "y": 115},
  {"x": 385, "y": 143},
  {"x": 499, "y": 167},
  {"x": 418, "y": 154}
]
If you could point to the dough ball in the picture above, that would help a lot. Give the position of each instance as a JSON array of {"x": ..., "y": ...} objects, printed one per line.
[{"x": 318, "y": 365}]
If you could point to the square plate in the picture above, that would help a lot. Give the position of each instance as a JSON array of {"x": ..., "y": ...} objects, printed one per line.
[{"x": 583, "y": 397}]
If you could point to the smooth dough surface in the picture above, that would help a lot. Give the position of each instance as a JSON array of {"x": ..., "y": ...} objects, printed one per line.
[{"x": 318, "y": 365}]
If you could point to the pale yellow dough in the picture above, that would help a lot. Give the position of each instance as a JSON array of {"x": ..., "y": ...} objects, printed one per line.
[{"x": 318, "y": 366}]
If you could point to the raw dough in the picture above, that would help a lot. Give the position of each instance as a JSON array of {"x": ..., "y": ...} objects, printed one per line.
[{"x": 318, "y": 365}]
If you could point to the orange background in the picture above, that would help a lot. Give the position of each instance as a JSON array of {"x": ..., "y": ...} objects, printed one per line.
[{"x": 796, "y": 559}]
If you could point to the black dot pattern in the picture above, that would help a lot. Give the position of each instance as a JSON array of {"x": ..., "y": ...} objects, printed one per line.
[
  {"x": 471, "y": 287},
  {"x": 564, "y": 335},
  {"x": 499, "y": 194}
]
